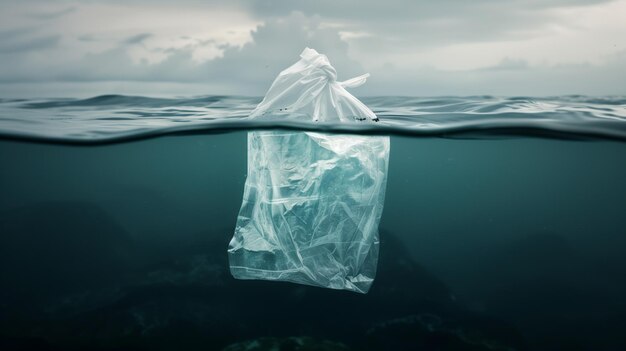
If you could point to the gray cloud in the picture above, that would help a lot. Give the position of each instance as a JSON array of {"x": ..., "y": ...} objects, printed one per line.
[
  {"x": 48, "y": 15},
  {"x": 243, "y": 70},
  {"x": 87, "y": 38},
  {"x": 276, "y": 45},
  {"x": 422, "y": 22},
  {"x": 508, "y": 64},
  {"x": 509, "y": 77},
  {"x": 18, "y": 32},
  {"x": 354, "y": 34},
  {"x": 29, "y": 44},
  {"x": 402, "y": 9},
  {"x": 137, "y": 39}
]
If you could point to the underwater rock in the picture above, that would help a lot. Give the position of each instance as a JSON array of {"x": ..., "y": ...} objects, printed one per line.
[
  {"x": 432, "y": 332},
  {"x": 536, "y": 280},
  {"x": 405, "y": 281},
  {"x": 194, "y": 269},
  {"x": 287, "y": 344},
  {"x": 61, "y": 251},
  {"x": 25, "y": 344}
]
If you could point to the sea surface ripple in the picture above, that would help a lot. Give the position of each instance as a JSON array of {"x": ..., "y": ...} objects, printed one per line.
[{"x": 116, "y": 118}]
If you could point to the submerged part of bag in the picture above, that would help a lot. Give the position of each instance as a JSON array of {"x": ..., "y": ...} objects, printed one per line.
[{"x": 312, "y": 201}]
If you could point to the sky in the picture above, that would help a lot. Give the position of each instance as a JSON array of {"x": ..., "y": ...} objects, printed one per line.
[{"x": 410, "y": 47}]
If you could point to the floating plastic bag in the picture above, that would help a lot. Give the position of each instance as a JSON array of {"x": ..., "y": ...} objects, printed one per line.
[{"x": 312, "y": 201}]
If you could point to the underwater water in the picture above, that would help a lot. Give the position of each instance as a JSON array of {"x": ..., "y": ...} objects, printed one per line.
[{"x": 503, "y": 228}]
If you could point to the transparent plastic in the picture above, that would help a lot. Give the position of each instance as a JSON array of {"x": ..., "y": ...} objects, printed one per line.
[
  {"x": 312, "y": 201},
  {"x": 309, "y": 90}
]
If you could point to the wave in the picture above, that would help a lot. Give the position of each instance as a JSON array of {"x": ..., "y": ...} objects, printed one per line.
[{"x": 117, "y": 118}]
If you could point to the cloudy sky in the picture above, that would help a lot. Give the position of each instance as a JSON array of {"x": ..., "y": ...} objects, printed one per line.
[{"x": 411, "y": 47}]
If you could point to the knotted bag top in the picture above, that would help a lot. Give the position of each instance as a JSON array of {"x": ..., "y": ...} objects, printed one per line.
[{"x": 308, "y": 90}]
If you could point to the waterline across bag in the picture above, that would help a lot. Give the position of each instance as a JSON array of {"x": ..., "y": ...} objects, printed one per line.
[{"x": 312, "y": 201}]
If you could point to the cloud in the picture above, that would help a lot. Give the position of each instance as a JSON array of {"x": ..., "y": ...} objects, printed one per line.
[
  {"x": 507, "y": 64},
  {"x": 87, "y": 38},
  {"x": 510, "y": 77},
  {"x": 275, "y": 46},
  {"x": 426, "y": 23},
  {"x": 137, "y": 39},
  {"x": 246, "y": 70},
  {"x": 418, "y": 32},
  {"x": 49, "y": 15},
  {"x": 19, "y": 45},
  {"x": 402, "y": 10},
  {"x": 510, "y": 47}
]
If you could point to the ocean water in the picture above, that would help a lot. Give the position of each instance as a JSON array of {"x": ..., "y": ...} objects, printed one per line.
[{"x": 504, "y": 228}]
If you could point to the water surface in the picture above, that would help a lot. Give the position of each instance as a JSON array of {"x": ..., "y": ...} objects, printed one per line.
[{"x": 110, "y": 118}]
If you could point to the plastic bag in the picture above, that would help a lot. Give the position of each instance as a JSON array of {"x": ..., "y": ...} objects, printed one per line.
[
  {"x": 309, "y": 90},
  {"x": 312, "y": 201}
]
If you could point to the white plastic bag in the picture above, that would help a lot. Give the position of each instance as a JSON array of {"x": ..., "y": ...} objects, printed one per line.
[
  {"x": 308, "y": 90},
  {"x": 312, "y": 201}
]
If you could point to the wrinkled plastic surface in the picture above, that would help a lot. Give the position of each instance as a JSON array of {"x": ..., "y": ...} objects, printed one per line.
[
  {"x": 309, "y": 90},
  {"x": 312, "y": 201}
]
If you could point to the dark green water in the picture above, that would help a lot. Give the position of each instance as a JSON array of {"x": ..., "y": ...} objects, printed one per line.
[{"x": 510, "y": 244}]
